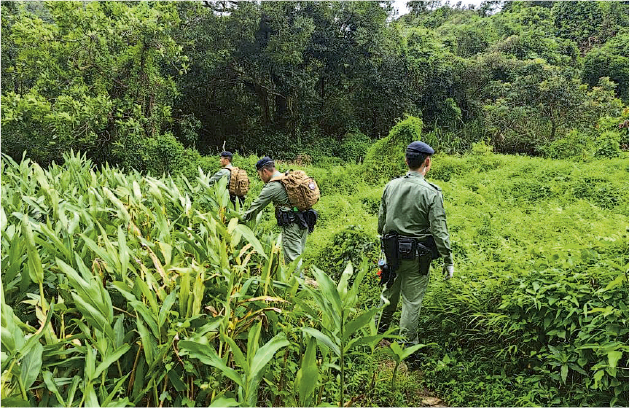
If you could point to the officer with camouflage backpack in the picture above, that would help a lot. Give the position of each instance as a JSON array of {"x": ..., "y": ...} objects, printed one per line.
[
  {"x": 293, "y": 194},
  {"x": 238, "y": 183}
]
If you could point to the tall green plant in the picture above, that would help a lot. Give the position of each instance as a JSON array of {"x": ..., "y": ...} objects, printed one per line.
[
  {"x": 340, "y": 331},
  {"x": 252, "y": 364}
]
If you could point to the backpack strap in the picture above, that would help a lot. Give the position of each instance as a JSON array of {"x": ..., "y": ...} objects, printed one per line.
[{"x": 279, "y": 178}]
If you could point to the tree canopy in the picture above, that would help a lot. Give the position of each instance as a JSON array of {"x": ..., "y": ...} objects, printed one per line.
[{"x": 134, "y": 82}]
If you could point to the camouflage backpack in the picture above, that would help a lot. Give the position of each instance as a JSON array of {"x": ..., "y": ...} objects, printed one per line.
[
  {"x": 302, "y": 190},
  {"x": 239, "y": 183}
]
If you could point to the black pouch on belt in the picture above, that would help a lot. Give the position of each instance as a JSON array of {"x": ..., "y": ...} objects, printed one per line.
[
  {"x": 389, "y": 244},
  {"x": 407, "y": 247},
  {"x": 284, "y": 218},
  {"x": 424, "y": 258},
  {"x": 429, "y": 244}
]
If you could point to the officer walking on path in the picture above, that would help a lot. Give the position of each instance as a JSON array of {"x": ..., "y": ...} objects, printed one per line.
[
  {"x": 293, "y": 233},
  {"x": 412, "y": 223},
  {"x": 225, "y": 159}
]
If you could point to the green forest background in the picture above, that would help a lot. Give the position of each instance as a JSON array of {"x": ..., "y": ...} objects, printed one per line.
[{"x": 156, "y": 86}]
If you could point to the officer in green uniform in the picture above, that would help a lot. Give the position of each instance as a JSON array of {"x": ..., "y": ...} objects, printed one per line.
[
  {"x": 225, "y": 159},
  {"x": 412, "y": 207},
  {"x": 293, "y": 236}
]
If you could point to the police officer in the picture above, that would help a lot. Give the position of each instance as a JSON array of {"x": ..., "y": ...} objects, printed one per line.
[
  {"x": 293, "y": 235},
  {"x": 411, "y": 207},
  {"x": 225, "y": 159}
]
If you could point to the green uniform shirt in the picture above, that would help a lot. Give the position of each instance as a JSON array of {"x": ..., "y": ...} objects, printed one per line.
[
  {"x": 271, "y": 192},
  {"x": 414, "y": 208},
  {"x": 224, "y": 172}
]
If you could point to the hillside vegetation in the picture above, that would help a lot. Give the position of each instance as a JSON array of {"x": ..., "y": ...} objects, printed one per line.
[{"x": 120, "y": 289}]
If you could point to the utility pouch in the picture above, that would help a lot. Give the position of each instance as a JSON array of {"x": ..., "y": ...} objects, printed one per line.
[
  {"x": 424, "y": 251},
  {"x": 311, "y": 219},
  {"x": 429, "y": 243},
  {"x": 389, "y": 245},
  {"x": 407, "y": 247},
  {"x": 284, "y": 218}
]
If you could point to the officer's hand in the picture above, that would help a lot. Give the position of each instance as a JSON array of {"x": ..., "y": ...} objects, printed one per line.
[{"x": 448, "y": 271}]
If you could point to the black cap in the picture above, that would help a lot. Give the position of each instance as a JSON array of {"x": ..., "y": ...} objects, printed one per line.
[
  {"x": 419, "y": 147},
  {"x": 265, "y": 160},
  {"x": 226, "y": 154}
]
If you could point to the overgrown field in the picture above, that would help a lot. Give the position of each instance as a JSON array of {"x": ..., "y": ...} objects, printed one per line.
[{"x": 119, "y": 289}]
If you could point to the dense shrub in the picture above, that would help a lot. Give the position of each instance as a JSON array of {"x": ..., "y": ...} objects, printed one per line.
[
  {"x": 575, "y": 145},
  {"x": 354, "y": 147},
  {"x": 608, "y": 145},
  {"x": 350, "y": 244},
  {"x": 481, "y": 148},
  {"x": 337, "y": 179},
  {"x": 385, "y": 159},
  {"x": 571, "y": 324}
]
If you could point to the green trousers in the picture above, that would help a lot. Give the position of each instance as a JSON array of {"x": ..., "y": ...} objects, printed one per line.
[
  {"x": 293, "y": 241},
  {"x": 412, "y": 278}
]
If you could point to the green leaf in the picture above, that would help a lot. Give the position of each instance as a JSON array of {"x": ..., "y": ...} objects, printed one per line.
[
  {"x": 90, "y": 395},
  {"x": 148, "y": 294},
  {"x": 110, "y": 359},
  {"x": 147, "y": 316},
  {"x": 31, "y": 365},
  {"x": 369, "y": 340},
  {"x": 100, "y": 252},
  {"x": 598, "y": 378},
  {"x": 90, "y": 362},
  {"x": 342, "y": 286},
  {"x": 247, "y": 233},
  {"x": 207, "y": 355},
  {"x": 52, "y": 387},
  {"x": 239, "y": 358},
  {"x": 410, "y": 350},
  {"x": 266, "y": 352},
  {"x": 123, "y": 252},
  {"x": 15, "y": 402},
  {"x": 564, "y": 371},
  {"x": 329, "y": 290},
  {"x": 357, "y": 323},
  {"x": 253, "y": 338},
  {"x": 148, "y": 342},
  {"x": 166, "y": 307},
  {"x": 222, "y": 401},
  {"x": 114, "y": 393},
  {"x": 308, "y": 374},
  {"x": 176, "y": 381},
  {"x": 614, "y": 357},
  {"x": 58, "y": 244},
  {"x": 618, "y": 281},
  {"x": 119, "y": 331},
  {"x": 88, "y": 288},
  {"x": 121, "y": 207},
  {"x": 258, "y": 365},
  {"x": 325, "y": 340},
  {"x": 35, "y": 270},
  {"x": 94, "y": 317}
]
